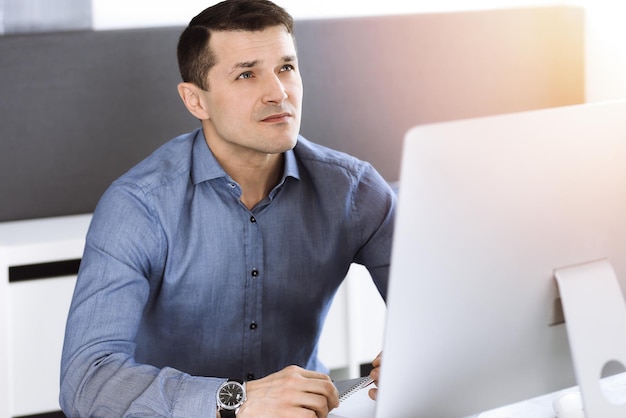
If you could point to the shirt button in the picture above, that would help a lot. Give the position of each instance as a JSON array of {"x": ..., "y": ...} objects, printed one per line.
[
  {"x": 254, "y": 272},
  {"x": 252, "y": 219},
  {"x": 253, "y": 326},
  {"x": 250, "y": 376}
]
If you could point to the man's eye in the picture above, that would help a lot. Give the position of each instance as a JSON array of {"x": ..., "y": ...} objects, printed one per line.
[
  {"x": 247, "y": 74},
  {"x": 287, "y": 67}
]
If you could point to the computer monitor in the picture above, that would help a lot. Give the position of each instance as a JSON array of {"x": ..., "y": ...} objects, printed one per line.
[{"x": 488, "y": 208}]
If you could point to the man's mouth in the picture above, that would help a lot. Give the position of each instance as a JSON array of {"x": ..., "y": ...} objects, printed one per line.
[{"x": 278, "y": 117}]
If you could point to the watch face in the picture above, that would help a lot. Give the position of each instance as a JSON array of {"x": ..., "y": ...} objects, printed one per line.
[{"x": 231, "y": 395}]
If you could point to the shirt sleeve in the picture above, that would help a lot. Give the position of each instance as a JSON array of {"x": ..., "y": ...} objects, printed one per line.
[
  {"x": 99, "y": 375},
  {"x": 374, "y": 203}
]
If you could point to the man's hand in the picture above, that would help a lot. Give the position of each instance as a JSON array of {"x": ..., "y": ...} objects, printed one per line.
[
  {"x": 375, "y": 374},
  {"x": 290, "y": 393}
]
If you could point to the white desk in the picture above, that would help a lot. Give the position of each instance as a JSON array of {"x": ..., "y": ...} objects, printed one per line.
[
  {"x": 614, "y": 388},
  {"x": 360, "y": 406}
]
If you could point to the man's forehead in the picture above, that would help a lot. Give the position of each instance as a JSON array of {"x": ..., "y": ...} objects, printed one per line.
[{"x": 275, "y": 39}]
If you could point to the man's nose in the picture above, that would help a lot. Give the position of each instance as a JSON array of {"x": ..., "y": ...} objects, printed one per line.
[{"x": 275, "y": 91}]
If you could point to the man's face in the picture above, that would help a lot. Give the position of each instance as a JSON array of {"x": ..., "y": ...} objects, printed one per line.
[{"x": 254, "y": 95}]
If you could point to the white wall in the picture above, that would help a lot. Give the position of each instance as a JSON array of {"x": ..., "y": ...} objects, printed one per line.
[
  {"x": 605, "y": 49},
  {"x": 108, "y": 14},
  {"x": 27, "y": 16}
]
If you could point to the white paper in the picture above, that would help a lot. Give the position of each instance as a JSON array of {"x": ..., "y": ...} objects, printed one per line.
[{"x": 358, "y": 405}]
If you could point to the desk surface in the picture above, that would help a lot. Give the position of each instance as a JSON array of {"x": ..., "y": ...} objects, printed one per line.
[{"x": 360, "y": 406}]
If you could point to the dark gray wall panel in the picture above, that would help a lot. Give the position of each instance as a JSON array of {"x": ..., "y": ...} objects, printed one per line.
[{"x": 78, "y": 109}]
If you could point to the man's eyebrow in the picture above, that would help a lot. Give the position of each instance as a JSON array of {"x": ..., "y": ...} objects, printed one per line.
[
  {"x": 243, "y": 65},
  {"x": 252, "y": 64}
]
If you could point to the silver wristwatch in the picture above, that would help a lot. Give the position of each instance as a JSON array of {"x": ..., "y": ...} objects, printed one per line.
[{"x": 230, "y": 396}]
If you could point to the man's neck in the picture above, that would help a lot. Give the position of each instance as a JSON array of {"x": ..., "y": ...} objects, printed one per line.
[
  {"x": 256, "y": 173},
  {"x": 257, "y": 182}
]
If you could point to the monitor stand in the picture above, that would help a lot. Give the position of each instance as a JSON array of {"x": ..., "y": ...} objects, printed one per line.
[{"x": 595, "y": 315}]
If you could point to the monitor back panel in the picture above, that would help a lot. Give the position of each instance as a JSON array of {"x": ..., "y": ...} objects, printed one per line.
[{"x": 488, "y": 209}]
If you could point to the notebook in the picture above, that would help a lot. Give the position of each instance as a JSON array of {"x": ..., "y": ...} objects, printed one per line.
[
  {"x": 348, "y": 387},
  {"x": 354, "y": 399}
]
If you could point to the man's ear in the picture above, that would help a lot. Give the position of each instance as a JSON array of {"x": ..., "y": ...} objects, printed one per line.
[{"x": 191, "y": 95}]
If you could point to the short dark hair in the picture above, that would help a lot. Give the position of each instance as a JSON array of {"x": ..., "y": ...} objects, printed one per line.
[{"x": 195, "y": 57}]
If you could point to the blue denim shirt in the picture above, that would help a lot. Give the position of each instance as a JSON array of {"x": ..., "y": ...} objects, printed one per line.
[{"x": 181, "y": 286}]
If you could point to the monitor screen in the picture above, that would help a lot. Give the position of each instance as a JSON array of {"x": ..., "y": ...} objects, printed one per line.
[{"x": 488, "y": 209}]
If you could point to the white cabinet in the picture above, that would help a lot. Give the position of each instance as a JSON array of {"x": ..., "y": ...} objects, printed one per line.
[{"x": 38, "y": 259}]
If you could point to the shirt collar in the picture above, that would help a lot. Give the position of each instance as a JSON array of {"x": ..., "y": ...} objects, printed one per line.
[{"x": 205, "y": 167}]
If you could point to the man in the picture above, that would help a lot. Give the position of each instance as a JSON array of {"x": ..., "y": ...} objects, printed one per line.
[{"x": 215, "y": 260}]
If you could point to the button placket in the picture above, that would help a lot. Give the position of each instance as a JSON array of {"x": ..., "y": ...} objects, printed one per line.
[{"x": 254, "y": 289}]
